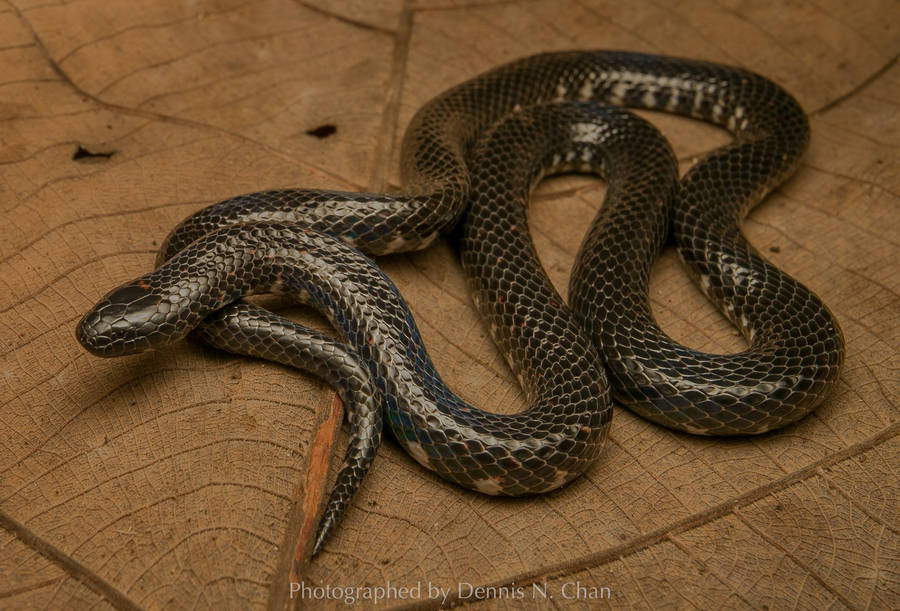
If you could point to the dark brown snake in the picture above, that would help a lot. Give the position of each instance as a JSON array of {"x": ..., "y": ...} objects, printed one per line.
[{"x": 483, "y": 144}]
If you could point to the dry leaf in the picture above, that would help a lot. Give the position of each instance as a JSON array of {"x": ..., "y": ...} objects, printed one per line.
[{"x": 174, "y": 478}]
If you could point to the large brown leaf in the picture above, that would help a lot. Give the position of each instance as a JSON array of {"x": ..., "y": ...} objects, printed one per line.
[{"x": 178, "y": 477}]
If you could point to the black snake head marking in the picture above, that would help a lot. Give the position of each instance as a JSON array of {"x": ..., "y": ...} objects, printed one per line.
[{"x": 120, "y": 323}]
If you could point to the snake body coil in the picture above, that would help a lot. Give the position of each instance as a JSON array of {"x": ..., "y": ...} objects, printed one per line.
[{"x": 270, "y": 241}]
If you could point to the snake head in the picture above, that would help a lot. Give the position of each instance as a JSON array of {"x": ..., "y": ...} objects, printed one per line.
[{"x": 128, "y": 320}]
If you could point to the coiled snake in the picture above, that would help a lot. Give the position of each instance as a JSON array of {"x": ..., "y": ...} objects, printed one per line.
[{"x": 483, "y": 144}]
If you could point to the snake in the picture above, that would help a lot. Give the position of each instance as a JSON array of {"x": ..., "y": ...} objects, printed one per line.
[{"x": 469, "y": 160}]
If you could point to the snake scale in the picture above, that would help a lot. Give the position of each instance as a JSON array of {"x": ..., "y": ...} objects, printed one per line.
[{"x": 472, "y": 154}]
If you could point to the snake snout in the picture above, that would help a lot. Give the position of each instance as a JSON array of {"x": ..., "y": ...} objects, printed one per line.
[{"x": 121, "y": 322}]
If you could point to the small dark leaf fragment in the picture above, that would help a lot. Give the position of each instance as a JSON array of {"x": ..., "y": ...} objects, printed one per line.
[
  {"x": 323, "y": 131},
  {"x": 82, "y": 154}
]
